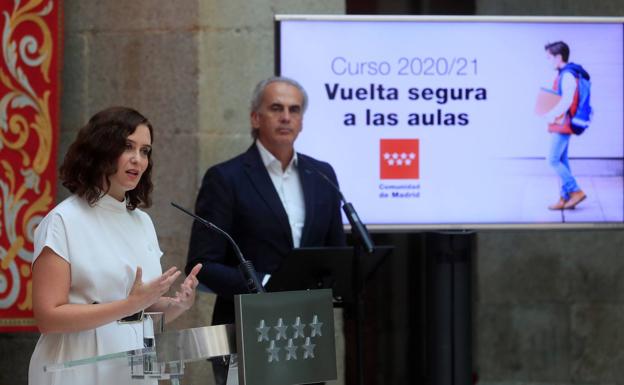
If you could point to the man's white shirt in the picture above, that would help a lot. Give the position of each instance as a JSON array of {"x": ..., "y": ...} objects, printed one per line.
[{"x": 288, "y": 186}]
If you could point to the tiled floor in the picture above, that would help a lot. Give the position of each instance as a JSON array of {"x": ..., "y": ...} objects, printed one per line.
[
  {"x": 600, "y": 179},
  {"x": 604, "y": 202}
]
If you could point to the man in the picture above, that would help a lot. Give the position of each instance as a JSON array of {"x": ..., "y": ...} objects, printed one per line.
[
  {"x": 559, "y": 125},
  {"x": 270, "y": 199}
]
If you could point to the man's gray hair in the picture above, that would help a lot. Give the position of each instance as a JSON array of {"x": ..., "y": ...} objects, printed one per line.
[{"x": 256, "y": 97}]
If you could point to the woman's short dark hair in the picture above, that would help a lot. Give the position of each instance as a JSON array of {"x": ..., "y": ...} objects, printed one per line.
[{"x": 92, "y": 157}]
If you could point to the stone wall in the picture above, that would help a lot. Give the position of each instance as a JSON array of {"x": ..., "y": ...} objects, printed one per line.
[{"x": 549, "y": 305}]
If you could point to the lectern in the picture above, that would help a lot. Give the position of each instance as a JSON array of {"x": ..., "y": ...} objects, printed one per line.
[
  {"x": 279, "y": 338},
  {"x": 342, "y": 269}
]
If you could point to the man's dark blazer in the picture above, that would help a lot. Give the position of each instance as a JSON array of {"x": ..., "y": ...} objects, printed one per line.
[{"x": 239, "y": 197}]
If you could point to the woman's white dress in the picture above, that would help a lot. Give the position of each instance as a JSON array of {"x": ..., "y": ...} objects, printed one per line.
[{"x": 103, "y": 244}]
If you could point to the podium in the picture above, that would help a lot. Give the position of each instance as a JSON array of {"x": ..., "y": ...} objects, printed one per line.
[
  {"x": 345, "y": 270},
  {"x": 279, "y": 338}
]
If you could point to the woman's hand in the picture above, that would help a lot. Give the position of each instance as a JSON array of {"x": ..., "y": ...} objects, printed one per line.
[
  {"x": 143, "y": 295},
  {"x": 183, "y": 300},
  {"x": 185, "y": 297}
]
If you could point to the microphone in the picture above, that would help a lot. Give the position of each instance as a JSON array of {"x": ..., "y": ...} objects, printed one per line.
[
  {"x": 358, "y": 228},
  {"x": 245, "y": 266}
]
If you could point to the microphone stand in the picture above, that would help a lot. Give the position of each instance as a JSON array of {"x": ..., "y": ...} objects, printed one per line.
[
  {"x": 245, "y": 266},
  {"x": 363, "y": 242}
]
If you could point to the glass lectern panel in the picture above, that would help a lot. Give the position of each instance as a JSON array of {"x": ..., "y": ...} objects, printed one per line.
[{"x": 166, "y": 358}]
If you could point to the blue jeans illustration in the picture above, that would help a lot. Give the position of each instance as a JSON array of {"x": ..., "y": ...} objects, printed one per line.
[{"x": 558, "y": 160}]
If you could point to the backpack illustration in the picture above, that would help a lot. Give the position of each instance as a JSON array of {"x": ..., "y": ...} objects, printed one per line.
[{"x": 580, "y": 114}]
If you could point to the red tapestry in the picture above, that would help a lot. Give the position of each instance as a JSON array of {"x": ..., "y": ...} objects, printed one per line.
[{"x": 29, "y": 126}]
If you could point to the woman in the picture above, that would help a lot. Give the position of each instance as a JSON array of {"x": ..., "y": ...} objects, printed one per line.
[{"x": 96, "y": 255}]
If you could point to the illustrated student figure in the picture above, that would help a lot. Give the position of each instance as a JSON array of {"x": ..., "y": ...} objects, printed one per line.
[
  {"x": 96, "y": 262},
  {"x": 270, "y": 199},
  {"x": 559, "y": 126}
]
